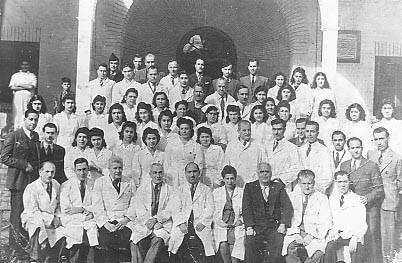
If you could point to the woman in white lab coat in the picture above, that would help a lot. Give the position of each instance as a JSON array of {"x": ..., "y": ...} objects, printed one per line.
[
  {"x": 233, "y": 117},
  {"x": 260, "y": 130},
  {"x": 79, "y": 149},
  {"x": 321, "y": 91},
  {"x": 327, "y": 121}
]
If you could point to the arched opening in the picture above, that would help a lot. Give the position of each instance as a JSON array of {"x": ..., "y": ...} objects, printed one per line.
[{"x": 209, "y": 43}]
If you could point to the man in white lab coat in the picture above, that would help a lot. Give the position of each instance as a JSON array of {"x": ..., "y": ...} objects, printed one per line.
[
  {"x": 193, "y": 208},
  {"x": 153, "y": 222},
  {"x": 77, "y": 213}
]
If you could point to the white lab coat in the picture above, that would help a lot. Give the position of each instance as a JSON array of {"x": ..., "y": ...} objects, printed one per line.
[
  {"x": 142, "y": 163},
  {"x": 203, "y": 208},
  {"x": 317, "y": 220},
  {"x": 39, "y": 211},
  {"x": 140, "y": 209},
  {"x": 213, "y": 164},
  {"x": 76, "y": 224},
  {"x": 220, "y": 232},
  {"x": 66, "y": 127}
]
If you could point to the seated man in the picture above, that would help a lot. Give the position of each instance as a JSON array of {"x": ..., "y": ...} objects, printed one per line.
[
  {"x": 267, "y": 211},
  {"x": 41, "y": 215},
  {"x": 77, "y": 213},
  {"x": 349, "y": 221},
  {"x": 305, "y": 240},
  {"x": 192, "y": 211},
  {"x": 112, "y": 197},
  {"x": 153, "y": 223}
]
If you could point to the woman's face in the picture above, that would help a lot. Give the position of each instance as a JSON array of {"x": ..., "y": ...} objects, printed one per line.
[
  {"x": 81, "y": 140},
  {"x": 261, "y": 96},
  {"x": 258, "y": 115},
  {"x": 151, "y": 141},
  {"x": 128, "y": 134},
  {"x": 354, "y": 114},
  {"x": 387, "y": 110},
  {"x": 185, "y": 131},
  {"x": 205, "y": 139},
  {"x": 298, "y": 77},
  {"x": 97, "y": 142},
  {"x": 212, "y": 117},
  {"x": 286, "y": 94},
  {"x": 166, "y": 123},
  {"x": 131, "y": 99},
  {"x": 36, "y": 105},
  {"x": 99, "y": 107},
  {"x": 233, "y": 117},
  {"x": 284, "y": 113},
  {"x": 320, "y": 80},
  {"x": 279, "y": 80},
  {"x": 326, "y": 110},
  {"x": 230, "y": 180},
  {"x": 144, "y": 115},
  {"x": 181, "y": 110},
  {"x": 69, "y": 105},
  {"x": 160, "y": 101},
  {"x": 270, "y": 107},
  {"x": 117, "y": 116}
]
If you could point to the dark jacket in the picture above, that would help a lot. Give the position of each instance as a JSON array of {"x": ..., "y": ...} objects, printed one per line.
[
  {"x": 205, "y": 80},
  {"x": 56, "y": 157}
]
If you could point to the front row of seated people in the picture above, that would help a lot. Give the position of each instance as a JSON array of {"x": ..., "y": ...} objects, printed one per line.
[{"x": 261, "y": 223}]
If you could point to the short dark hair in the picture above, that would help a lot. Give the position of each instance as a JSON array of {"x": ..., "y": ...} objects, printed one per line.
[
  {"x": 317, "y": 126},
  {"x": 166, "y": 113},
  {"x": 354, "y": 139},
  {"x": 278, "y": 121},
  {"x": 341, "y": 173},
  {"x": 29, "y": 111},
  {"x": 338, "y": 133},
  {"x": 128, "y": 65},
  {"x": 148, "y": 131},
  {"x": 133, "y": 90},
  {"x": 206, "y": 130},
  {"x": 80, "y": 160},
  {"x": 182, "y": 72},
  {"x": 96, "y": 99},
  {"x": 362, "y": 115},
  {"x": 158, "y": 93},
  {"x": 144, "y": 106},
  {"x": 381, "y": 129},
  {"x": 301, "y": 120},
  {"x": 232, "y": 108},
  {"x": 128, "y": 124},
  {"x": 228, "y": 169},
  {"x": 102, "y": 65},
  {"x": 66, "y": 80},
  {"x": 96, "y": 132},
  {"x": 264, "y": 113},
  {"x": 117, "y": 106},
  {"x": 35, "y": 97},
  {"x": 83, "y": 130},
  {"x": 152, "y": 67},
  {"x": 305, "y": 173},
  {"x": 253, "y": 60},
  {"x": 49, "y": 125}
]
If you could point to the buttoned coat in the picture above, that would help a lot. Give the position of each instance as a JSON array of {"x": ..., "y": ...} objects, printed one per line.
[
  {"x": 202, "y": 206},
  {"x": 215, "y": 99},
  {"x": 141, "y": 210},
  {"x": 205, "y": 80},
  {"x": 232, "y": 86},
  {"x": 317, "y": 220},
  {"x": 259, "y": 81},
  {"x": 219, "y": 229},
  {"x": 57, "y": 157}
]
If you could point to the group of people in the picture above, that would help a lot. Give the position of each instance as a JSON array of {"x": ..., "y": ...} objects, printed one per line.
[{"x": 180, "y": 167}]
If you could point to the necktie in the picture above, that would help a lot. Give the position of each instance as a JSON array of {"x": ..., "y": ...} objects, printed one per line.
[
  {"x": 337, "y": 159},
  {"x": 252, "y": 80},
  {"x": 305, "y": 202},
  {"x": 183, "y": 91},
  {"x": 244, "y": 143},
  {"x": 222, "y": 106},
  {"x": 264, "y": 193},
  {"x": 380, "y": 158},
  {"x": 82, "y": 190},
  {"x": 275, "y": 145},
  {"x": 48, "y": 150},
  {"x": 31, "y": 135},
  {"x": 308, "y": 149},
  {"x": 354, "y": 166},
  {"x": 49, "y": 190},
  {"x": 101, "y": 82},
  {"x": 192, "y": 189},
  {"x": 116, "y": 184},
  {"x": 173, "y": 81},
  {"x": 155, "y": 200},
  {"x": 341, "y": 201}
]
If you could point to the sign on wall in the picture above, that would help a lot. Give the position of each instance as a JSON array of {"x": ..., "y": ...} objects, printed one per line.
[{"x": 349, "y": 46}]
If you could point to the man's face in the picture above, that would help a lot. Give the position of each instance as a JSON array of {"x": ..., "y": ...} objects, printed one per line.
[
  {"x": 128, "y": 73},
  {"x": 66, "y": 86},
  {"x": 338, "y": 141},
  {"x": 192, "y": 173},
  {"x": 185, "y": 131},
  {"x": 156, "y": 173},
  {"x": 381, "y": 140},
  {"x": 99, "y": 107},
  {"x": 253, "y": 67},
  {"x": 117, "y": 115},
  {"x": 284, "y": 113},
  {"x": 300, "y": 129},
  {"x": 221, "y": 87},
  {"x": 183, "y": 79},
  {"x": 311, "y": 133},
  {"x": 149, "y": 61},
  {"x": 243, "y": 95},
  {"x": 199, "y": 66},
  {"x": 69, "y": 105},
  {"x": 298, "y": 77},
  {"x": 102, "y": 72},
  {"x": 245, "y": 131},
  {"x": 31, "y": 121},
  {"x": 113, "y": 65},
  {"x": 25, "y": 66},
  {"x": 116, "y": 170},
  {"x": 227, "y": 71},
  {"x": 342, "y": 183},
  {"x": 47, "y": 173},
  {"x": 173, "y": 68},
  {"x": 49, "y": 134},
  {"x": 229, "y": 180},
  {"x": 151, "y": 140},
  {"x": 198, "y": 93},
  {"x": 81, "y": 171},
  {"x": 264, "y": 173},
  {"x": 137, "y": 63},
  {"x": 355, "y": 149},
  {"x": 152, "y": 75},
  {"x": 306, "y": 184},
  {"x": 278, "y": 131}
]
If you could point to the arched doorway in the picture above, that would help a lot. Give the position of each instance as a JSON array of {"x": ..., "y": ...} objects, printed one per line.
[{"x": 209, "y": 43}]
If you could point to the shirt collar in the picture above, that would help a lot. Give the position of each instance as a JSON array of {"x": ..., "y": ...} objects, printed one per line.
[{"x": 26, "y": 131}]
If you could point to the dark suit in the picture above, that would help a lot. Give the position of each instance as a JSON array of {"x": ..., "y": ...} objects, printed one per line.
[
  {"x": 19, "y": 150},
  {"x": 205, "y": 80},
  {"x": 116, "y": 77},
  {"x": 366, "y": 181},
  {"x": 198, "y": 113},
  {"x": 232, "y": 87},
  {"x": 56, "y": 157},
  {"x": 264, "y": 218},
  {"x": 259, "y": 81}
]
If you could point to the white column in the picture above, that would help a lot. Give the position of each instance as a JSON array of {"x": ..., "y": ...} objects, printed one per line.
[{"x": 86, "y": 13}]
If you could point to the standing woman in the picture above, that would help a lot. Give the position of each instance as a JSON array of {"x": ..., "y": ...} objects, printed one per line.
[
  {"x": 181, "y": 151},
  {"x": 211, "y": 121},
  {"x": 144, "y": 118},
  {"x": 127, "y": 147},
  {"x": 181, "y": 110},
  {"x": 287, "y": 93},
  {"x": 260, "y": 130},
  {"x": 98, "y": 155},
  {"x": 67, "y": 122},
  {"x": 260, "y": 95},
  {"x": 304, "y": 94},
  {"x": 165, "y": 120},
  {"x": 37, "y": 103},
  {"x": 357, "y": 126},
  {"x": 129, "y": 103},
  {"x": 321, "y": 91},
  {"x": 79, "y": 149},
  {"x": 282, "y": 111},
  {"x": 327, "y": 121},
  {"x": 213, "y": 158},
  {"x": 278, "y": 80},
  {"x": 233, "y": 117},
  {"x": 270, "y": 108},
  {"x": 98, "y": 117},
  {"x": 160, "y": 102},
  {"x": 116, "y": 119},
  {"x": 227, "y": 218}
]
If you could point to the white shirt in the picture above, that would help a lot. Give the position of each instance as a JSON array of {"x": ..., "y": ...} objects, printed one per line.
[{"x": 120, "y": 88}]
